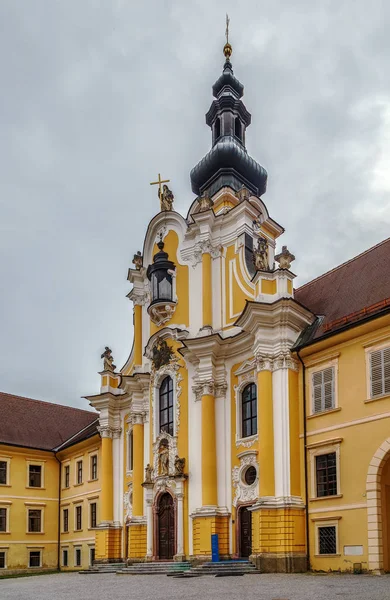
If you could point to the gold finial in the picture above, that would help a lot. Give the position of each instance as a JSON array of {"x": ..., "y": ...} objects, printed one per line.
[{"x": 227, "y": 49}]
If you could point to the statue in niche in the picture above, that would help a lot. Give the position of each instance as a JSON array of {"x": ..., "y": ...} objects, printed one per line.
[
  {"x": 166, "y": 198},
  {"x": 148, "y": 474},
  {"x": 284, "y": 258},
  {"x": 162, "y": 354},
  {"x": 260, "y": 255},
  {"x": 179, "y": 465},
  {"x": 108, "y": 360},
  {"x": 163, "y": 458},
  {"x": 137, "y": 260}
]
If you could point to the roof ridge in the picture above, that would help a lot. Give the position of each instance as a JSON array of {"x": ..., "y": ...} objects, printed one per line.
[
  {"x": 343, "y": 264},
  {"x": 89, "y": 412}
]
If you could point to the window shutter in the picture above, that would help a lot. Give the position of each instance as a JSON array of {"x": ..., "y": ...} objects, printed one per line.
[
  {"x": 328, "y": 388},
  {"x": 380, "y": 372},
  {"x": 323, "y": 390},
  {"x": 317, "y": 389}
]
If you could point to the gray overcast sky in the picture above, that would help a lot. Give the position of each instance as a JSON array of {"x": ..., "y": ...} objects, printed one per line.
[{"x": 97, "y": 97}]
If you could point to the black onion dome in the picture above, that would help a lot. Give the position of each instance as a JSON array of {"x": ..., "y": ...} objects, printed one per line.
[{"x": 228, "y": 162}]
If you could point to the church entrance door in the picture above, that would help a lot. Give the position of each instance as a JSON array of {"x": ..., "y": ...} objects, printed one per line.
[
  {"x": 166, "y": 528},
  {"x": 245, "y": 532}
]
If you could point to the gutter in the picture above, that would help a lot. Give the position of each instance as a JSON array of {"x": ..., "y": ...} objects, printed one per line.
[
  {"x": 59, "y": 513},
  {"x": 305, "y": 455}
]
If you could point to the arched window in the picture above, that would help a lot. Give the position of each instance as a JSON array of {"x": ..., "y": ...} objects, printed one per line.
[
  {"x": 217, "y": 128},
  {"x": 237, "y": 128},
  {"x": 166, "y": 405},
  {"x": 249, "y": 410},
  {"x": 130, "y": 451}
]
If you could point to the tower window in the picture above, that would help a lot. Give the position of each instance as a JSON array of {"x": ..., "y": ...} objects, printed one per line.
[
  {"x": 249, "y": 410},
  {"x": 237, "y": 128},
  {"x": 217, "y": 128},
  {"x": 166, "y": 406}
]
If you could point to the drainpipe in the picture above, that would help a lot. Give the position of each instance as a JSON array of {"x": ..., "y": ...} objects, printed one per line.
[
  {"x": 59, "y": 512},
  {"x": 305, "y": 454}
]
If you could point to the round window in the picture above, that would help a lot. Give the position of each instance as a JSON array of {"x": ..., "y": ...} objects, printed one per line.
[{"x": 250, "y": 475}]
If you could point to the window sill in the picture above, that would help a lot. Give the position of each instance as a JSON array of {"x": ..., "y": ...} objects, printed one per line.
[
  {"x": 78, "y": 484},
  {"x": 93, "y": 528},
  {"x": 325, "y": 497},
  {"x": 327, "y": 555},
  {"x": 64, "y": 532},
  {"x": 34, "y": 487},
  {"x": 35, "y": 533},
  {"x": 91, "y": 480},
  {"x": 5, "y": 485},
  {"x": 384, "y": 397},
  {"x": 324, "y": 412},
  {"x": 77, "y": 530},
  {"x": 5, "y": 533},
  {"x": 66, "y": 488},
  {"x": 243, "y": 441}
]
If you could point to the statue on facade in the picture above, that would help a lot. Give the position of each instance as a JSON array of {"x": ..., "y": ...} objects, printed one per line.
[
  {"x": 179, "y": 465},
  {"x": 166, "y": 198},
  {"x": 161, "y": 355},
  {"x": 148, "y": 474},
  {"x": 108, "y": 360},
  {"x": 284, "y": 258},
  {"x": 260, "y": 255},
  {"x": 164, "y": 458},
  {"x": 243, "y": 194},
  {"x": 205, "y": 203},
  {"x": 137, "y": 260}
]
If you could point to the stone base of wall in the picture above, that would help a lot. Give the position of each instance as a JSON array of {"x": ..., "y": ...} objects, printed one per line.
[
  {"x": 202, "y": 530},
  {"x": 108, "y": 546},
  {"x": 136, "y": 542},
  {"x": 279, "y": 563}
]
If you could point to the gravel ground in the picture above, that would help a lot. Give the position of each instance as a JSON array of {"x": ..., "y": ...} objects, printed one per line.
[{"x": 72, "y": 586}]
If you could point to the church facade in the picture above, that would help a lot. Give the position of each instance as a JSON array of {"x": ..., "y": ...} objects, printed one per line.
[{"x": 247, "y": 408}]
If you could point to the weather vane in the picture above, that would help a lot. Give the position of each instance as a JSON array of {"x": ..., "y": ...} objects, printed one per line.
[
  {"x": 227, "y": 28},
  {"x": 227, "y": 49}
]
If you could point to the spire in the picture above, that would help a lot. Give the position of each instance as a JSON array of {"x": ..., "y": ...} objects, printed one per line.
[{"x": 228, "y": 162}]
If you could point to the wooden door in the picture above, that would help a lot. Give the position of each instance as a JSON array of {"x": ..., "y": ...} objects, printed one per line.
[
  {"x": 166, "y": 528},
  {"x": 245, "y": 532}
]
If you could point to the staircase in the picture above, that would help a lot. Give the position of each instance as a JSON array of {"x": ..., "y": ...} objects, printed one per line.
[
  {"x": 103, "y": 568},
  {"x": 226, "y": 568},
  {"x": 155, "y": 568}
]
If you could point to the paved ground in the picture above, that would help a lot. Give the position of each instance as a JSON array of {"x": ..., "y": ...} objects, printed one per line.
[{"x": 72, "y": 586}]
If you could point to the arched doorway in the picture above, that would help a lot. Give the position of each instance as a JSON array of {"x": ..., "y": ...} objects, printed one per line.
[
  {"x": 166, "y": 527},
  {"x": 385, "y": 505},
  {"x": 245, "y": 532},
  {"x": 378, "y": 492}
]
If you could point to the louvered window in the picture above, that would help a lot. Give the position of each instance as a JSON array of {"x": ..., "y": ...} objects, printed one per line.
[
  {"x": 380, "y": 372},
  {"x": 323, "y": 394}
]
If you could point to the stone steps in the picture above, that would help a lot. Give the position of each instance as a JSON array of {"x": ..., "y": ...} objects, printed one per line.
[
  {"x": 226, "y": 569},
  {"x": 155, "y": 568},
  {"x": 103, "y": 568}
]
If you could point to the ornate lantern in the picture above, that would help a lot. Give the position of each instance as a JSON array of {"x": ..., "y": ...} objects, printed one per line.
[{"x": 161, "y": 275}]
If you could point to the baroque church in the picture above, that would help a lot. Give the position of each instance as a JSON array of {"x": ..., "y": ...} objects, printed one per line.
[{"x": 247, "y": 408}]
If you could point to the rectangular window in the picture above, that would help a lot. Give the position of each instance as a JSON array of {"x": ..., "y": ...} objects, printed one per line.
[
  {"x": 64, "y": 558},
  {"x": 3, "y": 472},
  {"x": 323, "y": 392},
  {"x": 35, "y": 558},
  {"x": 66, "y": 520},
  {"x": 327, "y": 540},
  {"x": 94, "y": 467},
  {"x": 380, "y": 372},
  {"x": 326, "y": 475},
  {"x": 93, "y": 514},
  {"x": 130, "y": 451},
  {"x": 2, "y": 560},
  {"x": 35, "y": 476},
  {"x": 3, "y": 519},
  {"x": 91, "y": 556},
  {"x": 79, "y": 471},
  {"x": 78, "y": 557},
  {"x": 34, "y": 520},
  {"x": 78, "y": 518},
  {"x": 66, "y": 475}
]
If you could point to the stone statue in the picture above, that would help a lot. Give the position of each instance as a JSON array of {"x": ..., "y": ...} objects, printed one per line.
[
  {"x": 179, "y": 465},
  {"x": 243, "y": 194},
  {"x": 260, "y": 255},
  {"x": 148, "y": 474},
  {"x": 161, "y": 354},
  {"x": 164, "y": 459},
  {"x": 205, "y": 203},
  {"x": 284, "y": 258},
  {"x": 166, "y": 198},
  {"x": 108, "y": 360},
  {"x": 137, "y": 260}
]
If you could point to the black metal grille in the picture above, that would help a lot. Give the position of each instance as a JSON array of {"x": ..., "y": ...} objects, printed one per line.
[
  {"x": 35, "y": 559},
  {"x": 326, "y": 475},
  {"x": 249, "y": 410},
  {"x": 166, "y": 406},
  {"x": 327, "y": 540}
]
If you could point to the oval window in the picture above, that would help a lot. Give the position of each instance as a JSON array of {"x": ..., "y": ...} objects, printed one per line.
[{"x": 250, "y": 475}]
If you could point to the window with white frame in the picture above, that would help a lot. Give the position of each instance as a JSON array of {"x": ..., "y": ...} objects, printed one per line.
[
  {"x": 325, "y": 468},
  {"x": 323, "y": 390},
  {"x": 65, "y": 557},
  {"x": 3, "y": 559},
  {"x": 4, "y": 472},
  {"x": 130, "y": 450},
  {"x": 79, "y": 472},
  {"x": 66, "y": 476},
  {"x": 77, "y": 557},
  {"x": 34, "y": 520},
  {"x": 3, "y": 519},
  {"x": 78, "y": 518},
  {"x": 249, "y": 410},
  {"x": 380, "y": 372},
  {"x": 35, "y": 558},
  {"x": 166, "y": 406},
  {"x": 327, "y": 543},
  {"x": 94, "y": 467},
  {"x": 34, "y": 475}
]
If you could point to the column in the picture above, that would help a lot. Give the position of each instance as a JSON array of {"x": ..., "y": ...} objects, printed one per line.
[
  {"x": 149, "y": 519},
  {"x": 207, "y": 290},
  {"x": 106, "y": 499},
  {"x": 137, "y": 333},
  {"x": 138, "y": 466},
  {"x": 266, "y": 426},
  {"x": 117, "y": 478},
  {"x": 293, "y": 392},
  {"x": 209, "y": 458}
]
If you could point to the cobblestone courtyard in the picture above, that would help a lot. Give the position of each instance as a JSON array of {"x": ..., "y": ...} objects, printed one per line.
[{"x": 72, "y": 586}]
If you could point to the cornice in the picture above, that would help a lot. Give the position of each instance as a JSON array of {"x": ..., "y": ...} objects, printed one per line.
[
  {"x": 285, "y": 310},
  {"x": 167, "y": 333}
]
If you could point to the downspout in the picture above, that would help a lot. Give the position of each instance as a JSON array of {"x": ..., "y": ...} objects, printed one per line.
[
  {"x": 305, "y": 460},
  {"x": 59, "y": 513}
]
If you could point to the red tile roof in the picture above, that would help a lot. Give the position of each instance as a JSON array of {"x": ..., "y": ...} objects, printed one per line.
[
  {"x": 37, "y": 424},
  {"x": 350, "y": 292}
]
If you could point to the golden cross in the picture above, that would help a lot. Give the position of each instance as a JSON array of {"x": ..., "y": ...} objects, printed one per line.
[
  {"x": 159, "y": 182},
  {"x": 227, "y": 28}
]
